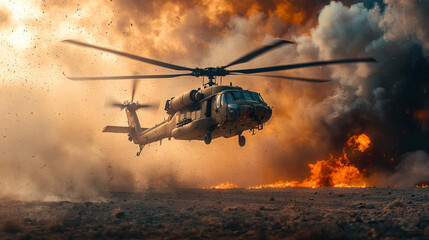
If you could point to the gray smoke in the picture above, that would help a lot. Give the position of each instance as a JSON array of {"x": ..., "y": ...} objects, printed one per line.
[{"x": 412, "y": 169}]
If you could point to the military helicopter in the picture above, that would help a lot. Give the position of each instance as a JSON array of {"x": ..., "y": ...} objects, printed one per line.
[{"x": 206, "y": 113}]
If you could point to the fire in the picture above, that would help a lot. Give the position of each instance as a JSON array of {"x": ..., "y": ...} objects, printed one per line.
[
  {"x": 423, "y": 185},
  {"x": 360, "y": 142},
  {"x": 278, "y": 184},
  {"x": 337, "y": 171},
  {"x": 225, "y": 185},
  {"x": 334, "y": 172}
]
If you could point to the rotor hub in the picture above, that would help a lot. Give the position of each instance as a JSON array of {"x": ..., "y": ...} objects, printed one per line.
[{"x": 210, "y": 72}]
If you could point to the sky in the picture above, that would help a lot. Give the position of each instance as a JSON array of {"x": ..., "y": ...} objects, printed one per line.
[{"x": 51, "y": 142}]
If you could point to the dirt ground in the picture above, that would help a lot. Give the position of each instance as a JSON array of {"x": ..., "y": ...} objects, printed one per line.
[{"x": 291, "y": 213}]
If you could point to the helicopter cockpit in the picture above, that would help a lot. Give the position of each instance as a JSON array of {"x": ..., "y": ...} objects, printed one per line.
[
  {"x": 229, "y": 97},
  {"x": 243, "y": 106}
]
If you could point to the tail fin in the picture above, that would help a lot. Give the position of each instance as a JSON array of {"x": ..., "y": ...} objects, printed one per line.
[
  {"x": 133, "y": 120},
  {"x": 133, "y": 128}
]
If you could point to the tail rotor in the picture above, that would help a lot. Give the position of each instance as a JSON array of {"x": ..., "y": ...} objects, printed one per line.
[{"x": 130, "y": 105}]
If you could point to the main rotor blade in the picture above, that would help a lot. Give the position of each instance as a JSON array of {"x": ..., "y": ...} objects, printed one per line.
[
  {"x": 301, "y": 65},
  {"x": 129, "y": 77},
  {"x": 258, "y": 52},
  {"x": 128, "y": 55},
  {"x": 314, "y": 80}
]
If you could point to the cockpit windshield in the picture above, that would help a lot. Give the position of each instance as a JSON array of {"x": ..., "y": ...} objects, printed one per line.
[
  {"x": 229, "y": 98},
  {"x": 247, "y": 96},
  {"x": 243, "y": 95},
  {"x": 257, "y": 97},
  {"x": 237, "y": 95}
]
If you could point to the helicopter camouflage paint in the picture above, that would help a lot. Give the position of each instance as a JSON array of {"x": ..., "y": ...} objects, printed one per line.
[{"x": 204, "y": 114}]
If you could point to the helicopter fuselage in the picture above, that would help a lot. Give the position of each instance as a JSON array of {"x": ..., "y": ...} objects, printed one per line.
[{"x": 212, "y": 112}]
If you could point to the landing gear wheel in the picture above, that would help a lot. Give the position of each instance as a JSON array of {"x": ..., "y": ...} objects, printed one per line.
[
  {"x": 241, "y": 141},
  {"x": 141, "y": 148},
  {"x": 208, "y": 138}
]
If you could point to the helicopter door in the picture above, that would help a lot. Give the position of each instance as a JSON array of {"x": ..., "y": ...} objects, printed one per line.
[
  {"x": 208, "y": 109},
  {"x": 220, "y": 108}
]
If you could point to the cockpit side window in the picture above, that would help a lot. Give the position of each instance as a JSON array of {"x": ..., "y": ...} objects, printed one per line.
[
  {"x": 247, "y": 96},
  {"x": 229, "y": 97},
  {"x": 222, "y": 100},
  {"x": 218, "y": 101},
  {"x": 237, "y": 95}
]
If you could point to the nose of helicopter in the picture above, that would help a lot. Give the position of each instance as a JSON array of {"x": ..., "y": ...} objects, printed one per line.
[
  {"x": 262, "y": 113},
  {"x": 258, "y": 112}
]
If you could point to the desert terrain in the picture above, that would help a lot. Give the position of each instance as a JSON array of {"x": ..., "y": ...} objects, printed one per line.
[{"x": 289, "y": 213}]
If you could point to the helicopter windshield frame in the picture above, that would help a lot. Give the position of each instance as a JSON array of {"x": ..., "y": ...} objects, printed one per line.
[{"x": 231, "y": 96}]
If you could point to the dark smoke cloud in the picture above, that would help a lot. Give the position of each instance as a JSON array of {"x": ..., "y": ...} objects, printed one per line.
[{"x": 380, "y": 100}]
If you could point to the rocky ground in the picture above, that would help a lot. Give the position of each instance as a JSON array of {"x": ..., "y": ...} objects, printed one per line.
[{"x": 294, "y": 213}]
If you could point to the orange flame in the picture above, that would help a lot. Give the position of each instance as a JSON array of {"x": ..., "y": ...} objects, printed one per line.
[
  {"x": 422, "y": 185},
  {"x": 334, "y": 172},
  {"x": 360, "y": 142},
  {"x": 278, "y": 184},
  {"x": 225, "y": 185}
]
